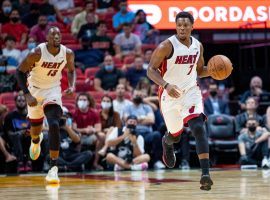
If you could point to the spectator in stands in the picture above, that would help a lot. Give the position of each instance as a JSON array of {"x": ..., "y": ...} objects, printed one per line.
[
  {"x": 107, "y": 78},
  {"x": 51, "y": 12},
  {"x": 146, "y": 119},
  {"x": 145, "y": 86},
  {"x": 31, "y": 44},
  {"x": 136, "y": 72},
  {"x": 40, "y": 30},
  {"x": 87, "y": 123},
  {"x": 62, "y": 4},
  {"x": 6, "y": 9},
  {"x": 88, "y": 29},
  {"x": 147, "y": 33},
  {"x": 8, "y": 156},
  {"x": 120, "y": 102},
  {"x": 127, "y": 43},
  {"x": 70, "y": 155},
  {"x": 213, "y": 104},
  {"x": 105, "y": 6},
  {"x": 31, "y": 18},
  {"x": 146, "y": 58},
  {"x": 253, "y": 144},
  {"x": 11, "y": 52},
  {"x": 128, "y": 147},
  {"x": 80, "y": 18},
  {"x": 254, "y": 91},
  {"x": 122, "y": 17},
  {"x": 23, "y": 7},
  {"x": 251, "y": 111},
  {"x": 17, "y": 126},
  {"x": 15, "y": 28},
  {"x": 100, "y": 40}
]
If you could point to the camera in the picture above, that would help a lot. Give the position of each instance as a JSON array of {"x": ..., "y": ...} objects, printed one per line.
[{"x": 132, "y": 128}]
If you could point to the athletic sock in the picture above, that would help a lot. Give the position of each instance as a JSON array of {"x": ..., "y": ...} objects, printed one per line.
[
  {"x": 53, "y": 162},
  {"x": 205, "y": 166}
]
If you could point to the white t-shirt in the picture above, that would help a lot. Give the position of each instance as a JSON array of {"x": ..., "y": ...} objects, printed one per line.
[
  {"x": 15, "y": 53},
  {"x": 114, "y": 134},
  {"x": 62, "y": 4},
  {"x": 119, "y": 106},
  {"x": 127, "y": 44}
]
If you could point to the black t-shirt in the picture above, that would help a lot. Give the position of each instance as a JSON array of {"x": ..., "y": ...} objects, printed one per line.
[
  {"x": 101, "y": 4},
  {"x": 67, "y": 146},
  {"x": 16, "y": 121},
  {"x": 46, "y": 9},
  {"x": 103, "y": 43},
  {"x": 87, "y": 30},
  {"x": 109, "y": 80}
]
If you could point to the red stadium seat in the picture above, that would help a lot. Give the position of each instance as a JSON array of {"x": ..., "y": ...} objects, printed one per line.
[
  {"x": 117, "y": 60},
  {"x": 97, "y": 95},
  {"x": 11, "y": 106},
  {"x": 7, "y": 97},
  {"x": 73, "y": 46},
  {"x": 91, "y": 72},
  {"x": 129, "y": 59},
  {"x": 70, "y": 106},
  {"x": 148, "y": 46},
  {"x": 81, "y": 86}
]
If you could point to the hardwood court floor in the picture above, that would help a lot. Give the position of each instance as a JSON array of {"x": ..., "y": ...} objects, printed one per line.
[{"x": 156, "y": 185}]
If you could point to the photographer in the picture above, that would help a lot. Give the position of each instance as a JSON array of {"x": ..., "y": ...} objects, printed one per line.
[
  {"x": 127, "y": 147},
  {"x": 70, "y": 156}
]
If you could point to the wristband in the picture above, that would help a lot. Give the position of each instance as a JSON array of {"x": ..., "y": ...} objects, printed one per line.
[{"x": 166, "y": 84}]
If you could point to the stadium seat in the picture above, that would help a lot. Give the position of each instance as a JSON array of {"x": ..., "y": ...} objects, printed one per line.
[
  {"x": 91, "y": 72},
  {"x": 81, "y": 86},
  {"x": 129, "y": 59},
  {"x": 117, "y": 60},
  {"x": 73, "y": 46},
  {"x": 7, "y": 97},
  {"x": 97, "y": 95},
  {"x": 11, "y": 106},
  {"x": 148, "y": 46}
]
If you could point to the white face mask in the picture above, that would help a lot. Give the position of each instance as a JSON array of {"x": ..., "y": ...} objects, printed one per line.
[
  {"x": 106, "y": 105},
  {"x": 82, "y": 104}
]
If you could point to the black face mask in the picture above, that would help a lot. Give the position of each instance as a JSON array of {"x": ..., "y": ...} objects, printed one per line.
[
  {"x": 15, "y": 19},
  {"x": 213, "y": 93},
  {"x": 137, "y": 100},
  {"x": 252, "y": 128},
  {"x": 20, "y": 108}
]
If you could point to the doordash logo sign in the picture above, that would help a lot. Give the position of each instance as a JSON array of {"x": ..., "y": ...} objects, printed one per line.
[{"x": 207, "y": 14}]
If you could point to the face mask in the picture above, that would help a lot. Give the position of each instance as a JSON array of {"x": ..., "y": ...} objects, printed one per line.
[
  {"x": 106, "y": 105},
  {"x": 213, "y": 93},
  {"x": 252, "y": 128},
  {"x": 109, "y": 67},
  {"x": 137, "y": 100},
  {"x": 15, "y": 19},
  {"x": 31, "y": 45},
  {"x": 7, "y": 10},
  {"x": 123, "y": 8},
  {"x": 82, "y": 104}
]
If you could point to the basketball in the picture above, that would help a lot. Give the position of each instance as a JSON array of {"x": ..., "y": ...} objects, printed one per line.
[{"x": 219, "y": 67}]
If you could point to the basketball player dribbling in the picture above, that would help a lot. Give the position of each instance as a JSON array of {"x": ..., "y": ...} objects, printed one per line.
[
  {"x": 43, "y": 93},
  {"x": 174, "y": 66}
]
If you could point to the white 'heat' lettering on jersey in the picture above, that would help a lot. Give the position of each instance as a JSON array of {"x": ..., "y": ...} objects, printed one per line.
[
  {"x": 180, "y": 69},
  {"x": 47, "y": 72}
]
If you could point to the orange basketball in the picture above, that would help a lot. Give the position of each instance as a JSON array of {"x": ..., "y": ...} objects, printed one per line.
[{"x": 219, "y": 67}]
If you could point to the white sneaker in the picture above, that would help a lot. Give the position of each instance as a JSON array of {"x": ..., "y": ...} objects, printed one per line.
[
  {"x": 52, "y": 176},
  {"x": 265, "y": 163},
  {"x": 139, "y": 167},
  {"x": 118, "y": 168},
  {"x": 159, "y": 165},
  {"x": 34, "y": 150}
]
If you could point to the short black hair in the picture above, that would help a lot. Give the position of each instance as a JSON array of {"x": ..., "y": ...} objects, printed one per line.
[
  {"x": 101, "y": 22},
  {"x": 126, "y": 24},
  {"x": 185, "y": 14},
  {"x": 10, "y": 38}
]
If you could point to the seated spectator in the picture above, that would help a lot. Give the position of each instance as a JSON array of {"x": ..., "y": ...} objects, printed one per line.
[
  {"x": 254, "y": 91},
  {"x": 101, "y": 41},
  {"x": 122, "y": 16},
  {"x": 8, "y": 81},
  {"x": 31, "y": 18},
  {"x": 127, "y": 147},
  {"x": 8, "y": 156},
  {"x": 15, "y": 28},
  {"x": 70, "y": 155},
  {"x": 31, "y": 44},
  {"x": 107, "y": 78},
  {"x": 146, "y": 119},
  {"x": 135, "y": 72},
  {"x": 80, "y": 18},
  {"x": 147, "y": 57},
  {"x": 253, "y": 144},
  {"x": 51, "y": 12},
  {"x": 251, "y": 111},
  {"x": 86, "y": 121},
  {"x": 11, "y": 52},
  {"x": 40, "y": 30},
  {"x": 127, "y": 43},
  {"x": 88, "y": 29},
  {"x": 145, "y": 85},
  {"x": 62, "y": 4},
  {"x": 17, "y": 129},
  {"x": 105, "y": 6},
  {"x": 6, "y": 8},
  {"x": 120, "y": 102},
  {"x": 147, "y": 33},
  {"x": 213, "y": 104},
  {"x": 24, "y": 7}
]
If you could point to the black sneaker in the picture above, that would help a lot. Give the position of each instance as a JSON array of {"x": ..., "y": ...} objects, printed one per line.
[
  {"x": 168, "y": 154},
  {"x": 206, "y": 182}
]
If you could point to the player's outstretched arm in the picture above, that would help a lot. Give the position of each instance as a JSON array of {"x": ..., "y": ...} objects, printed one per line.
[
  {"x": 21, "y": 76},
  {"x": 201, "y": 69},
  {"x": 71, "y": 72},
  {"x": 161, "y": 53}
]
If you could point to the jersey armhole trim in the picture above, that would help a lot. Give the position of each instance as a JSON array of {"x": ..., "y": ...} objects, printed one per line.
[{"x": 171, "y": 54}]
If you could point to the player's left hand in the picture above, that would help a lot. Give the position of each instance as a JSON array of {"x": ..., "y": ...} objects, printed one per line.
[{"x": 70, "y": 91}]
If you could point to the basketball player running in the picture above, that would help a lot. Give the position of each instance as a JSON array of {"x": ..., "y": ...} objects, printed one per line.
[
  {"x": 43, "y": 93},
  {"x": 174, "y": 66}
]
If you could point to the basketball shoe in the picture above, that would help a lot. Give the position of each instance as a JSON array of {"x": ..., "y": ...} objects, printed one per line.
[
  {"x": 168, "y": 153},
  {"x": 206, "y": 182},
  {"x": 52, "y": 176},
  {"x": 34, "y": 150}
]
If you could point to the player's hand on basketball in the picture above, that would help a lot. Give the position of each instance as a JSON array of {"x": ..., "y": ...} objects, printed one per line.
[
  {"x": 173, "y": 91},
  {"x": 70, "y": 91},
  {"x": 31, "y": 101}
]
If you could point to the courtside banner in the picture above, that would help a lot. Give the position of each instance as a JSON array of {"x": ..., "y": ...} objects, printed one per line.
[{"x": 220, "y": 14}]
